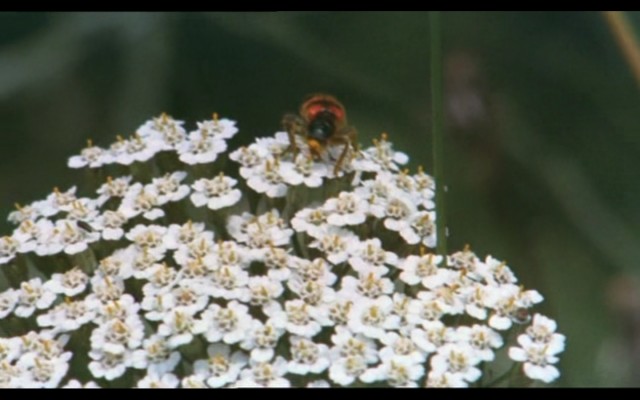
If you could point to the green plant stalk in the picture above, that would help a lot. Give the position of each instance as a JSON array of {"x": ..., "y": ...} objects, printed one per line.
[{"x": 437, "y": 118}]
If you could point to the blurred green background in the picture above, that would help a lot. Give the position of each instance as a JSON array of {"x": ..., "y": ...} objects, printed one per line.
[{"x": 543, "y": 128}]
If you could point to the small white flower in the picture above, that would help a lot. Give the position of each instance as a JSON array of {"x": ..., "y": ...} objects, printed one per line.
[
  {"x": 42, "y": 372},
  {"x": 368, "y": 256},
  {"x": 464, "y": 260},
  {"x": 231, "y": 253},
  {"x": 105, "y": 290},
  {"x": 277, "y": 144},
  {"x": 229, "y": 324},
  {"x": 156, "y": 306},
  {"x": 201, "y": 148},
  {"x": 33, "y": 295},
  {"x": 508, "y": 302},
  {"x": 423, "y": 269},
  {"x": 76, "y": 384},
  {"x": 456, "y": 358},
  {"x": 380, "y": 157},
  {"x": 222, "y": 368},
  {"x": 178, "y": 328},
  {"x": 82, "y": 209},
  {"x": 221, "y": 128},
  {"x": 193, "y": 382},
  {"x": 67, "y": 316},
  {"x": 303, "y": 170},
  {"x": 149, "y": 237},
  {"x": 317, "y": 270},
  {"x": 373, "y": 318},
  {"x": 537, "y": 358},
  {"x": 154, "y": 380},
  {"x": 439, "y": 379},
  {"x": 419, "y": 228},
  {"x": 134, "y": 149},
  {"x": 264, "y": 374},
  {"x": 8, "y": 301},
  {"x": 109, "y": 366},
  {"x": 314, "y": 293},
  {"x": 368, "y": 285},
  {"x": 8, "y": 249},
  {"x": 215, "y": 193},
  {"x": 265, "y": 230},
  {"x": 264, "y": 291},
  {"x": 169, "y": 188},
  {"x": 24, "y": 213},
  {"x": 345, "y": 370},
  {"x": 543, "y": 331},
  {"x": 165, "y": 131},
  {"x": 277, "y": 261},
  {"x": 10, "y": 349},
  {"x": 432, "y": 336},
  {"x": 68, "y": 236},
  {"x": 141, "y": 200},
  {"x": 307, "y": 356},
  {"x": 399, "y": 347},
  {"x": 93, "y": 156},
  {"x": 309, "y": 219},
  {"x": 27, "y": 232},
  {"x": 298, "y": 317},
  {"x": 118, "y": 336},
  {"x": 347, "y": 209},
  {"x": 482, "y": 338},
  {"x": 334, "y": 242},
  {"x": 399, "y": 210},
  {"x": 162, "y": 278},
  {"x": 248, "y": 157},
  {"x": 144, "y": 262},
  {"x": 226, "y": 282},
  {"x": 202, "y": 246},
  {"x": 448, "y": 297},
  {"x": 266, "y": 178},
  {"x": 346, "y": 343},
  {"x": 177, "y": 235},
  {"x": 113, "y": 188},
  {"x": 494, "y": 271},
  {"x": 51, "y": 205},
  {"x": 186, "y": 299},
  {"x": 71, "y": 283},
  {"x": 424, "y": 310},
  {"x": 118, "y": 264},
  {"x": 477, "y": 299},
  {"x": 397, "y": 372},
  {"x": 110, "y": 224},
  {"x": 262, "y": 340}
]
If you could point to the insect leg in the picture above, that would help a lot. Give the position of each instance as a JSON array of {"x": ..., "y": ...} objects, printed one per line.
[
  {"x": 348, "y": 135},
  {"x": 294, "y": 125}
]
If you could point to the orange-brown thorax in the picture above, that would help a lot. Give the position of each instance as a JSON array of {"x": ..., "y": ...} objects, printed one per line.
[{"x": 315, "y": 148}]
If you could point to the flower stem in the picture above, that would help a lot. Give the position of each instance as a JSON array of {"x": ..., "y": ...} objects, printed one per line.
[
  {"x": 622, "y": 30},
  {"x": 437, "y": 118}
]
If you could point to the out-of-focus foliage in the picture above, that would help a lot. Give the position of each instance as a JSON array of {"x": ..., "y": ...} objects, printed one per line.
[{"x": 542, "y": 146}]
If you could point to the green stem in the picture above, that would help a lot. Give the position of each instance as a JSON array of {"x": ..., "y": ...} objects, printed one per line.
[
  {"x": 437, "y": 127},
  {"x": 503, "y": 377}
]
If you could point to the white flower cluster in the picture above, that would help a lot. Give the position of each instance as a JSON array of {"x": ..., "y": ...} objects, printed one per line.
[{"x": 305, "y": 279}]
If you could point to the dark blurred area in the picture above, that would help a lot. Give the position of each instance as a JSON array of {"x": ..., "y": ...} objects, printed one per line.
[{"x": 543, "y": 128}]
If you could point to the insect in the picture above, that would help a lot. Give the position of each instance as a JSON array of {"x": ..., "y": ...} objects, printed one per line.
[
  {"x": 85, "y": 225},
  {"x": 322, "y": 121}
]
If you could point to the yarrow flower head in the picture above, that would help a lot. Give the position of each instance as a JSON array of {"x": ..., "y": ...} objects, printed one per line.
[{"x": 303, "y": 263}]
